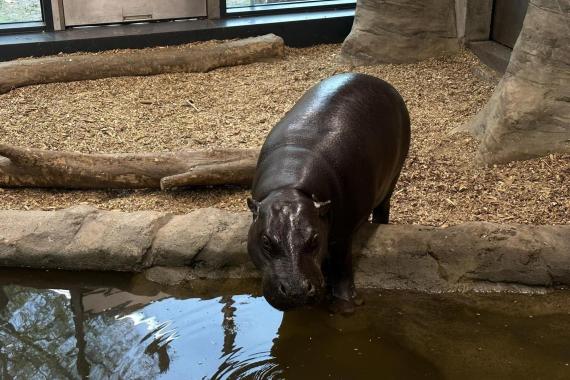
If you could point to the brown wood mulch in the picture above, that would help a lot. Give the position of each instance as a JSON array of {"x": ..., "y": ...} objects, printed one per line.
[{"x": 236, "y": 107}]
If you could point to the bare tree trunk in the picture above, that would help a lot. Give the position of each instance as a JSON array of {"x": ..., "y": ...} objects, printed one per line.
[
  {"x": 173, "y": 59},
  {"x": 25, "y": 167},
  {"x": 83, "y": 365},
  {"x": 229, "y": 325}
]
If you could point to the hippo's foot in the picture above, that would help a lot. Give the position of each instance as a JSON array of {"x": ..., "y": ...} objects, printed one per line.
[
  {"x": 358, "y": 301},
  {"x": 381, "y": 213},
  {"x": 346, "y": 303},
  {"x": 341, "y": 306}
]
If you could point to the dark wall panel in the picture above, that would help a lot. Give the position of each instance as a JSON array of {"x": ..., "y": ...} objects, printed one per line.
[{"x": 508, "y": 17}]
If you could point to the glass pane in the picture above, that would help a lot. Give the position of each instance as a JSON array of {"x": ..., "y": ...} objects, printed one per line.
[
  {"x": 20, "y": 11},
  {"x": 251, "y": 3}
]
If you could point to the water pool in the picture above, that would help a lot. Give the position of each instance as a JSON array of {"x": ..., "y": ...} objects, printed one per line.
[{"x": 57, "y": 325}]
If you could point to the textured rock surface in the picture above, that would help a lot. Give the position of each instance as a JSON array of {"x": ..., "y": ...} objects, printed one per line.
[
  {"x": 78, "y": 238},
  {"x": 211, "y": 244},
  {"x": 529, "y": 113},
  {"x": 464, "y": 256},
  {"x": 400, "y": 31},
  {"x": 210, "y": 241}
]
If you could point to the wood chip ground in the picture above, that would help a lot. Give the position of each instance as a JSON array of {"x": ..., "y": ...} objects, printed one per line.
[{"x": 237, "y": 106}]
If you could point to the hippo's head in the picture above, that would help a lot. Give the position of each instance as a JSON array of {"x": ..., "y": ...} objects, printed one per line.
[{"x": 288, "y": 242}]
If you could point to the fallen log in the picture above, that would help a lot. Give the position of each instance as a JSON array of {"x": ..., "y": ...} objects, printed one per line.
[
  {"x": 211, "y": 244},
  {"x": 173, "y": 59},
  {"x": 26, "y": 167}
]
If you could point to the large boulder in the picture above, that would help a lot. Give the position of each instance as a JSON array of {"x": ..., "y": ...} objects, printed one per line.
[
  {"x": 529, "y": 113},
  {"x": 400, "y": 31}
]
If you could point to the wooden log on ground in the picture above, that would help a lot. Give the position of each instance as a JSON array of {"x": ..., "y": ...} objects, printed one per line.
[
  {"x": 25, "y": 167},
  {"x": 238, "y": 171},
  {"x": 173, "y": 59},
  {"x": 211, "y": 243}
]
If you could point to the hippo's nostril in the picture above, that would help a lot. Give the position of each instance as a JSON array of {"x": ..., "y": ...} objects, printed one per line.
[
  {"x": 311, "y": 289},
  {"x": 282, "y": 289}
]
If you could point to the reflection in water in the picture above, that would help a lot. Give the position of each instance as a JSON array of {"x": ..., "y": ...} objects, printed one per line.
[
  {"x": 344, "y": 348},
  {"x": 36, "y": 334},
  {"x": 107, "y": 333},
  {"x": 76, "y": 297},
  {"x": 168, "y": 338},
  {"x": 172, "y": 338}
]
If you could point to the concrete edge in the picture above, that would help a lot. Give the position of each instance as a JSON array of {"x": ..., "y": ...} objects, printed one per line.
[{"x": 211, "y": 244}]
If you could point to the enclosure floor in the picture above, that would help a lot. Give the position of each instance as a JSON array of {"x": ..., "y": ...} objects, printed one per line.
[{"x": 237, "y": 106}]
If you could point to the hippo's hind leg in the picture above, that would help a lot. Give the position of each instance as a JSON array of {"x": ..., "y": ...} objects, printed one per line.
[
  {"x": 381, "y": 213},
  {"x": 340, "y": 278}
]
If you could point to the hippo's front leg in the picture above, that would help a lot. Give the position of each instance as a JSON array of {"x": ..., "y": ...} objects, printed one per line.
[{"x": 341, "y": 278}]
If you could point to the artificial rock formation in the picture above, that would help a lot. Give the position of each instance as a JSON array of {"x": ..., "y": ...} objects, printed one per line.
[
  {"x": 173, "y": 59},
  {"x": 400, "y": 31},
  {"x": 529, "y": 113},
  {"x": 212, "y": 244}
]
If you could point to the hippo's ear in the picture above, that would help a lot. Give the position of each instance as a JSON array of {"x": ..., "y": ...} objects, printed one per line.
[
  {"x": 322, "y": 207},
  {"x": 253, "y": 206}
]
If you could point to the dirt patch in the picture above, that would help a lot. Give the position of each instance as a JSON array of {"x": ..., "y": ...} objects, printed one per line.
[{"x": 237, "y": 106}]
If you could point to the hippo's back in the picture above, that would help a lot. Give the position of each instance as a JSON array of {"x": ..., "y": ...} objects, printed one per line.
[{"x": 345, "y": 140}]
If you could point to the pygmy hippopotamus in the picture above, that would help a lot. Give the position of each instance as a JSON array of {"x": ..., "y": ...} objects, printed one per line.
[{"x": 330, "y": 163}]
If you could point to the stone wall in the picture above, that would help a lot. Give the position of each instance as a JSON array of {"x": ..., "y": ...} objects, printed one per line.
[{"x": 211, "y": 244}]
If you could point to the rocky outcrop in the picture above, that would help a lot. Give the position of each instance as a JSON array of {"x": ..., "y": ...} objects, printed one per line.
[
  {"x": 529, "y": 113},
  {"x": 400, "y": 31},
  {"x": 211, "y": 244}
]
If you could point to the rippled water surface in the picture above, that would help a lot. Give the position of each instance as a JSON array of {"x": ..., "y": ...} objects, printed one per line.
[{"x": 73, "y": 326}]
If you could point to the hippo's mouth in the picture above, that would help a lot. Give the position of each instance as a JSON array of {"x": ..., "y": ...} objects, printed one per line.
[
  {"x": 295, "y": 298},
  {"x": 289, "y": 303}
]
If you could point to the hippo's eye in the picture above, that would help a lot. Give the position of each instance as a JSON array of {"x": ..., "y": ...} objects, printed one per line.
[
  {"x": 314, "y": 241},
  {"x": 266, "y": 242}
]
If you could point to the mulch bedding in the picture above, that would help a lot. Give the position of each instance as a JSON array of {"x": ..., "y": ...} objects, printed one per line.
[{"x": 237, "y": 106}]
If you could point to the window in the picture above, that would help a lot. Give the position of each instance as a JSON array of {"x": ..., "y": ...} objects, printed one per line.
[
  {"x": 246, "y": 6},
  {"x": 252, "y": 3},
  {"x": 20, "y": 11}
]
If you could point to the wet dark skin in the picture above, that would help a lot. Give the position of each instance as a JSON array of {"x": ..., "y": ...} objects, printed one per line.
[{"x": 332, "y": 161}]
